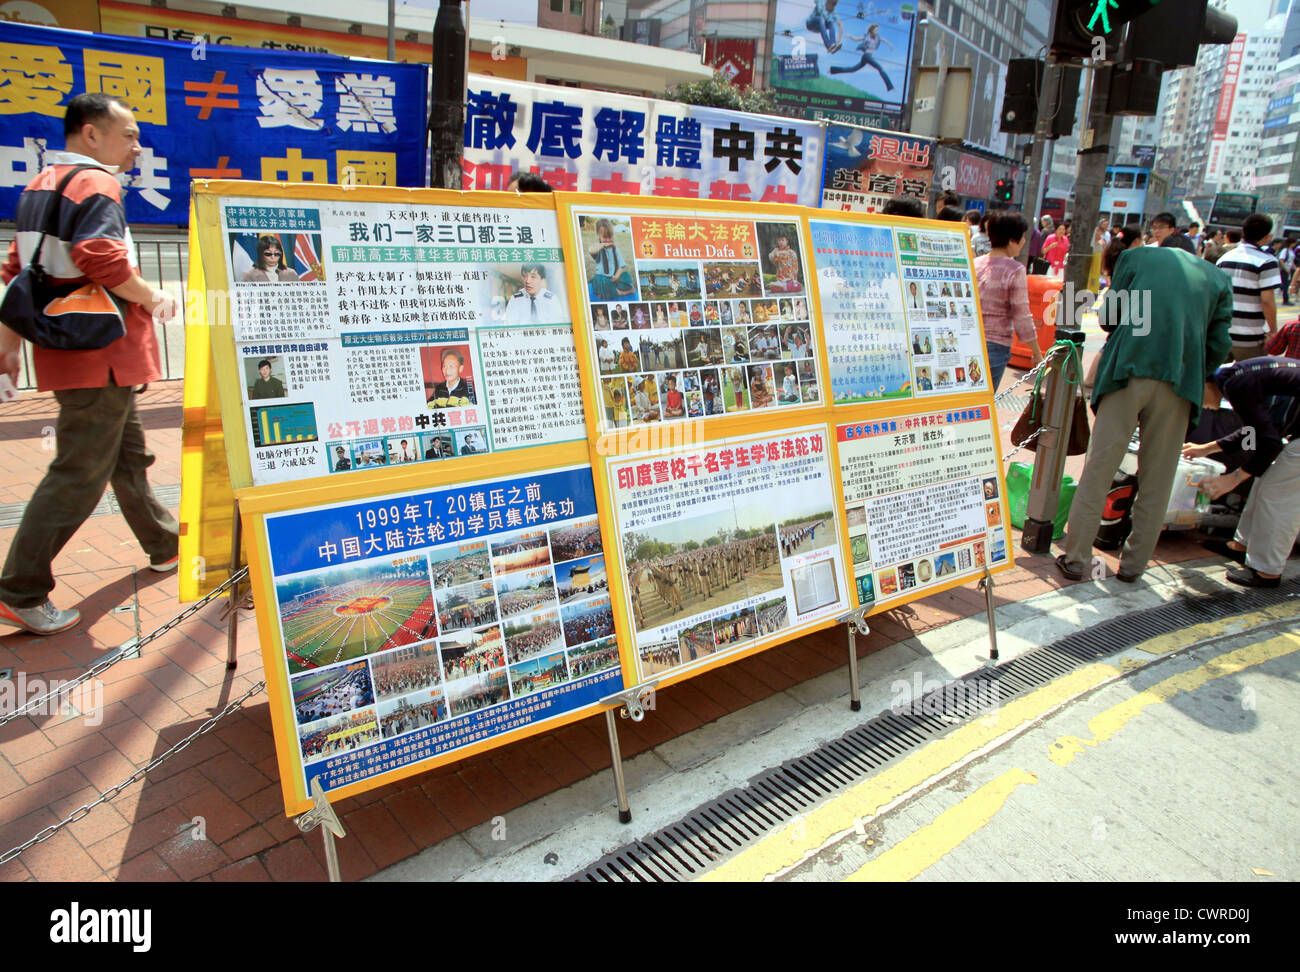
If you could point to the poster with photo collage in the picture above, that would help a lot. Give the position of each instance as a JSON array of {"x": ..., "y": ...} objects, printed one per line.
[
  {"x": 942, "y": 313},
  {"x": 923, "y": 501},
  {"x": 379, "y": 334},
  {"x": 898, "y": 308},
  {"x": 414, "y": 625},
  {"x": 694, "y": 315}
]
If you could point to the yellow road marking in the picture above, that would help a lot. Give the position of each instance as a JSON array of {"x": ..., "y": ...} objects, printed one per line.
[
  {"x": 786, "y": 847},
  {"x": 1106, "y": 724},
  {"x": 919, "y": 850},
  {"x": 1165, "y": 643}
]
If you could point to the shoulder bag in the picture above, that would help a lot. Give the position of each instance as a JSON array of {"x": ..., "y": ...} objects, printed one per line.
[{"x": 60, "y": 317}]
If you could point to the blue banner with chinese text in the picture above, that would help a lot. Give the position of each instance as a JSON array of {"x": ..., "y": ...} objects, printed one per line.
[{"x": 212, "y": 111}]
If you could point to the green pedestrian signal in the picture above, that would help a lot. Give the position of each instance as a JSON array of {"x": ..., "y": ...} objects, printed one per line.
[
  {"x": 1104, "y": 14},
  {"x": 1076, "y": 24}
]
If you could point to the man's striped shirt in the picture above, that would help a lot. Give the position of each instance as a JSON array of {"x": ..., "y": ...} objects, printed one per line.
[{"x": 1253, "y": 270}]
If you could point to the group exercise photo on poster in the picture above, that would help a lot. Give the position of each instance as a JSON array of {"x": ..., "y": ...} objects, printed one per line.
[
  {"x": 446, "y": 638},
  {"x": 713, "y": 562}
]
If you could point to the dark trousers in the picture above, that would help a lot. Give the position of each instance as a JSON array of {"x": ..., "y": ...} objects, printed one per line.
[{"x": 99, "y": 440}]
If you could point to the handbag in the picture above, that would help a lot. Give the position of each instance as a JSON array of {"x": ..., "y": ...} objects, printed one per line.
[
  {"x": 1030, "y": 420},
  {"x": 60, "y": 317}
]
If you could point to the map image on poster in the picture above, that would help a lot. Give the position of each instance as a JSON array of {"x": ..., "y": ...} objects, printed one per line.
[
  {"x": 414, "y": 625},
  {"x": 695, "y": 315},
  {"x": 923, "y": 500},
  {"x": 942, "y": 313},
  {"x": 397, "y": 333},
  {"x": 862, "y": 311},
  {"x": 726, "y": 546}
]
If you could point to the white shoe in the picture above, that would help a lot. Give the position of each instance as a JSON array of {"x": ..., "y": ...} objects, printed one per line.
[{"x": 44, "y": 619}]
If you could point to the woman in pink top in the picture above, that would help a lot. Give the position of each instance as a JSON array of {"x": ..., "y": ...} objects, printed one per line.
[
  {"x": 1004, "y": 293},
  {"x": 1056, "y": 249}
]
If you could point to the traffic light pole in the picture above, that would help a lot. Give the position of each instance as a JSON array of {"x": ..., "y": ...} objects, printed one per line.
[
  {"x": 447, "y": 110},
  {"x": 1094, "y": 149},
  {"x": 1033, "y": 196},
  {"x": 1049, "y": 465}
]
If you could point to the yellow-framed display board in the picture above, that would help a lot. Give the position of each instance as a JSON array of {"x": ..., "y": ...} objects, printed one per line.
[
  {"x": 465, "y": 525},
  {"x": 756, "y": 369},
  {"x": 403, "y": 425}
]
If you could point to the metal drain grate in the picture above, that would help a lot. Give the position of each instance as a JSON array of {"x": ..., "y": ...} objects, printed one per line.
[
  {"x": 717, "y": 829},
  {"x": 11, "y": 514}
]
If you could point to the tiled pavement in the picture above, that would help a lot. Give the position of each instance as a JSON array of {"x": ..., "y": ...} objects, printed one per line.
[{"x": 52, "y": 765}]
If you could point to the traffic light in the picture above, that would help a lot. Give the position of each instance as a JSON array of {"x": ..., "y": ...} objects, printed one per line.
[
  {"x": 1020, "y": 99},
  {"x": 1076, "y": 24},
  {"x": 1003, "y": 191},
  {"x": 1172, "y": 33}
]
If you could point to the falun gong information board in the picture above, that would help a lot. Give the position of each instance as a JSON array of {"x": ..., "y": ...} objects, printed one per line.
[
  {"x": 406, "y": 629},
  {"x": 371, "y": 331},
  {"x": 693, "y": 314},
  {"x": 899, "y": 311},
  {"x": 924, "y": 501},
  {"x": 726, "y": 545},
  {"x": 700, "y": 348}
]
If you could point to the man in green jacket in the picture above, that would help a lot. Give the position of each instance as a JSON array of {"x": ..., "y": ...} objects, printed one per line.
[{"x": 1168, "y": 315}]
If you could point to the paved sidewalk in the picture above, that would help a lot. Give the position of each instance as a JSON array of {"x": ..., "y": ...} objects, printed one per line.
[{"x": 52, "y": 765}]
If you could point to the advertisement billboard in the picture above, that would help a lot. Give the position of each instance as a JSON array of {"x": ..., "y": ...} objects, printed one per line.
[
  {"x": 828, "y": 57},
  {"x": 988, "y": 81}
]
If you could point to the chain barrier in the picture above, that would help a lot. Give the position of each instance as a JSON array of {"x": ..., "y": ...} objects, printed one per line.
[
  {"x": 1031, "y": 373},
  {"x": 139, "y": 774},
  {"x": 128, "y": 650},
  {"x": 1034, "y": 373}
]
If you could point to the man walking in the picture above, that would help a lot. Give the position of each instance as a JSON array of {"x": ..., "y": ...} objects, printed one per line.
[
  {"x": 99, "y": 438},
  {"x": 1168, "y": 313},
  {"x": 1255, "y": 276}
]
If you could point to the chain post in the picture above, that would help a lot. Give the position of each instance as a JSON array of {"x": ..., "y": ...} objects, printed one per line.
[{"x": 1059, "y": 391}]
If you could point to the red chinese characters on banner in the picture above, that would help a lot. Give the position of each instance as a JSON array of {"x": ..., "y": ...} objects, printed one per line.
[
  {"x": 678, "y": 237},
  {"x": 715, "y": 461}
]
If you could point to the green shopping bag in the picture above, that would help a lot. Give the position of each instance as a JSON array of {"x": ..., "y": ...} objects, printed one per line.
[{"x": 1018, "y": 477}]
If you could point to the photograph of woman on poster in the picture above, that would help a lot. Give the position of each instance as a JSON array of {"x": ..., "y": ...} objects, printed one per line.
[{"x": 271, "y": 266}]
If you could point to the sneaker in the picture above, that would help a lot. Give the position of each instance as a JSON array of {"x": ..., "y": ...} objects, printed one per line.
[
  {"x": 44, "y": 619},
  {"x": 165, "y": 566}
]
